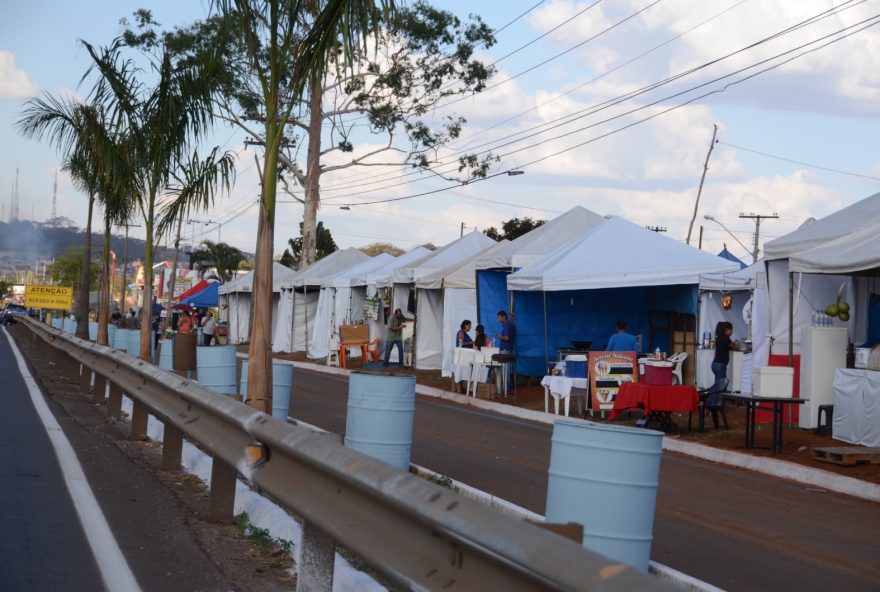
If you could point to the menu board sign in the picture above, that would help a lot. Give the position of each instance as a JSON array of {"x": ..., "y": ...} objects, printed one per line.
[{"x": 608, "y": 370}]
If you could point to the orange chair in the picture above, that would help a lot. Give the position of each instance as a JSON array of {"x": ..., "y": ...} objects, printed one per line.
[{"x": 370, "y": 351}]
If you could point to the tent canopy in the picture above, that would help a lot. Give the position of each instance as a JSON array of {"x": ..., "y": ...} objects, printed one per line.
[
  {"x": 383, "y": 275},
  {"x": 332, "y": 264},
  {"x": 457, "y": 275},
  {"x": 855, "y": 252},
  {"x": 206, "y": 298},
  {"x": 198, "y": 287},
  {"x": 860, "y": 215},
  {"x": 725, "y": 254},
  {"x": 245, "y": 283},
  {"x": 618, "y": 254},
  {"x": 744, "y": 279},
  {"x": 451, "y": 254},
  {"x": 542, "y": 240},
  {"x": 343, "y": 278}
]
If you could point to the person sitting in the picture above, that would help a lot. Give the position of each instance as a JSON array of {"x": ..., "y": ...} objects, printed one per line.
[
  {"x": 481, "y": 340},
  {"x": 462, "y": 338},
  {"x": 621, "y": 341}
]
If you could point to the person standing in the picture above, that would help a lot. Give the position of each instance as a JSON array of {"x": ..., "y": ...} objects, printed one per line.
[
  {"x": 462, "y": 338},
  {"x": 394, "y": 336},
  {"x": 508, "y": 333},
  {"x": 184, "y": 323},
  {"x": 723, "y": 346},
  {"x": 621, "y": 341},
  {"x": 208, "y": 325},
  {"x": 131, "y": 320}
]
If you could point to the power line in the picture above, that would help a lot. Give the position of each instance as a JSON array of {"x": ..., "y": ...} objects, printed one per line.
[
  {"x": 596, "y": 108},
  {"x": 815, "y": 166},
  {"x": 663, "y": 112}
]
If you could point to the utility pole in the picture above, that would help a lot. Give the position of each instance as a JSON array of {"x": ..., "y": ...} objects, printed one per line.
[
  {"x": 656, "y": 228},
  {"x": 462, "y": 230},
  {"x": 702, "y": 179},
  {"x": 757, "y": 218},
  {"x": 55, "y": 200}
]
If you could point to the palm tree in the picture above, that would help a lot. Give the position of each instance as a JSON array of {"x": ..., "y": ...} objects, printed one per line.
[
  {"x": 285, "y": 61},
  {"x": 222, "y": 257},
  {"x": 162, "y": 122}
]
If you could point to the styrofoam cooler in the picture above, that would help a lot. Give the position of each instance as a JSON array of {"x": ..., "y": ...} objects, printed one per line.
[
  {"x": 773, "y": 381},
  {"x": 576, "y": 366},
  {"x": 658, "y": 372}
]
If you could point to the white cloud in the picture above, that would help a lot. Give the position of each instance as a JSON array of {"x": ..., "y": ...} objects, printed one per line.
[{"x": 14, "y": 82}]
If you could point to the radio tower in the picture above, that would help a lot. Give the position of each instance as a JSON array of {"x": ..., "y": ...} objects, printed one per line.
[{"x": 55, "y": 199}]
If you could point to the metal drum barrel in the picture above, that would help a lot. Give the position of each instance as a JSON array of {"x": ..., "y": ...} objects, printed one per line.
[
  {"x": 166, "y": 354},
  {"x": 69, "y": 325},
  {"x": 282, "y": 380},
  {"x": 381, "y": 408},
  {"x": 605, "y": 477},
  {"x": 93, "y": 331},
  {"x": 134, "y": 342},
  {"x": 58, "y": 323},
  {"x": 216, "y": 367},
  {"x": 111, "y": 334},
  {"x": 120, "y": 339}
]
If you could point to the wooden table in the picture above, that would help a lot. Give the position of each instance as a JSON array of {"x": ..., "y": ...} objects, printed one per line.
[{"x": 656, "y": 401}]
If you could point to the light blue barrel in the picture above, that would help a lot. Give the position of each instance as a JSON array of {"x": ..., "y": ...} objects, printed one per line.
[
  {"x": 605, "y": 478},
  {"x": 216, "y": 367},
  {"x": 69, "y": 325},
  {"x": 381, "y": 408},
  {"x": 93, "y": 331},
  {"x": 166, "y": 354},
  {"x": 58, "y": 323},
  {"x": 120, "y": 339},
  {"x": 111, "y": 334},
  {"x": 282, "y": 380},
  {"x": 134, "y": 342}
]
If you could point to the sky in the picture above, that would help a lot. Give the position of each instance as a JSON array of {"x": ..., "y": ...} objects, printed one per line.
[{"x": 575, "y": 104}]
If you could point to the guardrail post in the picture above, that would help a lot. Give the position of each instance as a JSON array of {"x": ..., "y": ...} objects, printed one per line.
[
  {"x": 85, "y": 380},
  {"x": 100, "y": 393},
  {"x": 222, "y": 501},
  {"x": 114, "y": 401},
  {"x": 172, "y": 447},
  {"x": 315, "y": 563},
  {"x": 139, "y": 419}
]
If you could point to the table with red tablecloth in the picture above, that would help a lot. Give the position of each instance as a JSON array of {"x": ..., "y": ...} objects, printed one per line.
[{"x": 655, "y": 398}]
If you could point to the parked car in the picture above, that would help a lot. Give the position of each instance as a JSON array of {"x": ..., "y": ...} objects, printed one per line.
[{"x": 11, "y": 311}]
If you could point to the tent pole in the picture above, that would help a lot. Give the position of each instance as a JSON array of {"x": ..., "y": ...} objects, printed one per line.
[
  {"x": 477, "y": 288},
  {"x": 546, "y": 347},
  {"x": 415, "y": 336},
  {"x": 306, "y": 297},
  {"x": 790, "y": 319}
]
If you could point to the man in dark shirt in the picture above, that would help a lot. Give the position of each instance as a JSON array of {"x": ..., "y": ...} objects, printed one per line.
[{"x": 508, "y": 333}]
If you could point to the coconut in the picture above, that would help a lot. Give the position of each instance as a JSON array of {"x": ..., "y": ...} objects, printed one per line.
[
  {"x": 831, "y": 310},
  {"x": 844, "y": 316},
  {"x": 842, "y": 307}
]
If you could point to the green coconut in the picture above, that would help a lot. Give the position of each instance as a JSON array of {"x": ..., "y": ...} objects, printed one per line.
[
  {"x": 844, "y": 316},
  {"x": 831, "y": 310},
  {"x": 842, "y": 307}
]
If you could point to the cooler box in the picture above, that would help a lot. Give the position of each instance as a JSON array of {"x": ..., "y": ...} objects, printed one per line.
[
  {"x": 658, "y": 372},
  {"x": 773, "y": 381},
  {"x": 576, "y": 366}
]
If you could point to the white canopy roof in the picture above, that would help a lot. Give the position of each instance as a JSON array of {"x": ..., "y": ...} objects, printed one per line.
[
  {"x": 741, "y": 279},
  {"x": 618, "y": 254},
  {"x": 382, "y": 276},
  {"x": 455, "y": 252},
  {"x": 333, "y": 263},
  {"x": 862, "y": 214},
  {"x": 343, "y": 278},
  {"x": 855, "y": 251},
  {"x": 457, "y": 275},
  {"x": 245, "y": 283},
  {"x": 542, "y": 240}
]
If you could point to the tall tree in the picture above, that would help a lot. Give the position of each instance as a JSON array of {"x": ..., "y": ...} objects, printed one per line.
[
  {"x": 292, "y": 256},
  {"x": 222, "y": 257},
  {"x": 513, "y": 228},
  {"x": 374, "y": 249}
]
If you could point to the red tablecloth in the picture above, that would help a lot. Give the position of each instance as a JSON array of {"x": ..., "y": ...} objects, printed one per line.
[{"x": 652, "y": 398}]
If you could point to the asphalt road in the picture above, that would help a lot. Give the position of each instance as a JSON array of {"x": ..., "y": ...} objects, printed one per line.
[{"x": 732, "y": 528}]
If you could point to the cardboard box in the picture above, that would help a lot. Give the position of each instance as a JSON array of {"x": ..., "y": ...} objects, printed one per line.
[{"x": 773, "y": 381}]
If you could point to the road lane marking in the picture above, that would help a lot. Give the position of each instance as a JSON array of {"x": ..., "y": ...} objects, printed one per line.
[{"x": 114, "y": 569}]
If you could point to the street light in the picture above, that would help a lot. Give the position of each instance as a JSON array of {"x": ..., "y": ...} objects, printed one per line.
[{"x": 713, "y": 219}]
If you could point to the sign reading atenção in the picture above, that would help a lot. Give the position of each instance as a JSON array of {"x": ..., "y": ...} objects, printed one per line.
[{"x": 53, "y": 297}]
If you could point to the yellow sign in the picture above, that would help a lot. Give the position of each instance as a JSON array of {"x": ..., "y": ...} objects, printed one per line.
[{"x": 54, "y": 297}]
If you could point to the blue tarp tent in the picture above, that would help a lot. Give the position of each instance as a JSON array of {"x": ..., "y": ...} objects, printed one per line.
[
  {"x": 207, "y": 298},
  {"x": 614, "y": 270},
  {"x": 725, "y": 254}
]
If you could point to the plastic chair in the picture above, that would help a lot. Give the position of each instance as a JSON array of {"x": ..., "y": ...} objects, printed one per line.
[
  {"x": 371, "y": 351},
  {"x": 711, "y": 400},
  {"x": 333, "y": 354},
  {"x": 678, "y": 359}
]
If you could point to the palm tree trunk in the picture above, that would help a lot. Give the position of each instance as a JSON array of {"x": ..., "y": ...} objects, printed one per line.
[
  {"x": 106, "y": 282},
  {"x": 146, "y": 352},
  {"x": 82, "y": 308}
]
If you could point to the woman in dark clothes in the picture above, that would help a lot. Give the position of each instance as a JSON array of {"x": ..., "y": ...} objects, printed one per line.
[{"x": 723, "y": 346}]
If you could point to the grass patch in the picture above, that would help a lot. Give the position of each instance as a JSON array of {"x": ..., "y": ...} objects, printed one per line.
[{"x": 260, "y": 536}]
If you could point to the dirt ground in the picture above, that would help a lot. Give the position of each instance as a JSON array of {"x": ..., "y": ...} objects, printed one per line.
[{"x": 797, "y": 443}]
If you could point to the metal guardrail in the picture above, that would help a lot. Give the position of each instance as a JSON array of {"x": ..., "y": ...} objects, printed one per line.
[{"x": 423, "y": 536}]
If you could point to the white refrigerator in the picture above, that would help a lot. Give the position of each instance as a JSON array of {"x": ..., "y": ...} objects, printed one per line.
[{"x": 823, "y": 350}]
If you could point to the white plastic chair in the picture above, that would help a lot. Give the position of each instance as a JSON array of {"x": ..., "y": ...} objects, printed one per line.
[
  {"x": 678, "y": 359},
  {"x": 333, "y": 354}
]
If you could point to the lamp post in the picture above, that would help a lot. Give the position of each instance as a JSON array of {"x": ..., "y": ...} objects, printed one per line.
[{"x": 749, "y": 251}]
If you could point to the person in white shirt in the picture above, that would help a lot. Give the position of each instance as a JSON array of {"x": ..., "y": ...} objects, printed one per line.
[{"x": 208, "y": 324}]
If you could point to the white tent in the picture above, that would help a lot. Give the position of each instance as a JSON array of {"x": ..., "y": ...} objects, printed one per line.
[
  {"x": 542, "y": 240},
  {"x": 236, "y": 296},
  {"x": 454, "y": 287},
  {"x": 618, "y": 254},
  {"x": 338, "y": 304},
  {"x": 816, "y": 259},
  {"x": 740, "y": 286},
  {"x": 299, "y": 299}
]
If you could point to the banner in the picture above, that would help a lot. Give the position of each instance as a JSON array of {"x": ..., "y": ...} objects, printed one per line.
[
  {"x": 608, "y": 370},
  {"x": 52, "y": 297}
]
